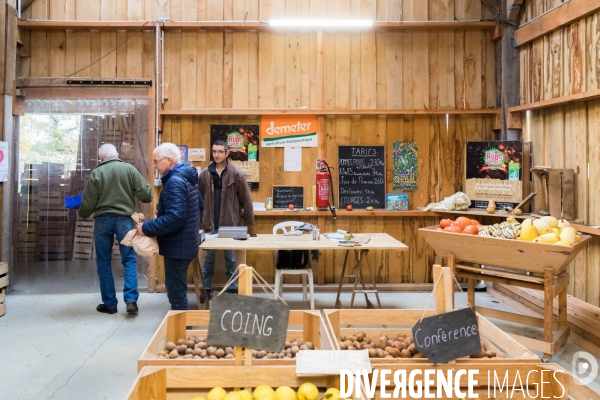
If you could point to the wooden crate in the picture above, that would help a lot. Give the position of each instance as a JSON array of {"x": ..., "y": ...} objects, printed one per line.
[
  {"x": 376, "y": 322},
  {"x": 184, "y": 383},
  {"x": 2, "y": 301},
  {"x": 3, "y": 274},
  {"x": 504, "y": 253},
  {"x": 307, "y": 326}
]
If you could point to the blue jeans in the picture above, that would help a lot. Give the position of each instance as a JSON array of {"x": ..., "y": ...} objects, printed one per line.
[
  {"x": 208, "y": 270},
  {"x": 175, "y": 282},
  {"x": 105, "y": 228}
]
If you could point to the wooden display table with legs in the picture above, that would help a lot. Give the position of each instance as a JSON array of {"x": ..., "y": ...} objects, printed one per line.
[
  {"x": 377, "y": 241},
  {"x": 513, "y": 262}
]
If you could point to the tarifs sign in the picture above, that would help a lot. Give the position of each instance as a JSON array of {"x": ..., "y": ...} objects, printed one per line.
[{"x": 289, "y": 130}]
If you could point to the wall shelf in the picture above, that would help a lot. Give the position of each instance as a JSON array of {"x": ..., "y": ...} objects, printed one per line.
[
  {"x": 241, "y": 25},
  {"x": 296, "y": 111},
  {"x": 345, "y": 214},
  {"x": 574, "y": 98}
]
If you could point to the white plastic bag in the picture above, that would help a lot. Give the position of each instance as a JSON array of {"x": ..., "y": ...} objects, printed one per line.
[
  {"x": 142, "y": 245},
  {"x": 450, "y": 203}
]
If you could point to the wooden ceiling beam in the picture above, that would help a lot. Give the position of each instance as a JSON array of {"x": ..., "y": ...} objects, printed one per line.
[
  {"x": 491, "y": 5},
  {"x": 563, "y": 15},
  {"x": 25, "y": 4},
  {"x": 514, "y": 10}
]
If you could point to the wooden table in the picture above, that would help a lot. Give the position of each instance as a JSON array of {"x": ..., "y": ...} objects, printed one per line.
[
  {"x": 378, "y": 241},
  {"x": 514, "y": 262}
]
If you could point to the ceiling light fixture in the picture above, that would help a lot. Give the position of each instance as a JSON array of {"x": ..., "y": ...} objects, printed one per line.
[{"x": 322, "y": 23}]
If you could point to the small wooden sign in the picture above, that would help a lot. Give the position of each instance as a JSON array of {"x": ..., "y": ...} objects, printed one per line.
[
  {"x": 246, "y": 321},
  {"x": 448, "y": 336},
  {"x": 283, "y": 196}
]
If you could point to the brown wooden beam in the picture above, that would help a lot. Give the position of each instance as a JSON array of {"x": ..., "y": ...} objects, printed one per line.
[
  {"x": 555, "y": 19},
  {"x": 240, "y": 25},
  {"x": 304, "y": 111},
  {"x": 25, "y": 4},
  {"x": 491, "y": 5},
  {"x": 514, "y": 9}
]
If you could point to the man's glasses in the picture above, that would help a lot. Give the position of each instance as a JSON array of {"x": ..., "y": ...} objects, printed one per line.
[
  {"x": 218, "y": 151},
  {"x": 157, "y": 161}
]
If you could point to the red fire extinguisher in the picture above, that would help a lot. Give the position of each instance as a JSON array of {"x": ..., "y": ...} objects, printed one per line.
[{"x": 324, "y": 188}]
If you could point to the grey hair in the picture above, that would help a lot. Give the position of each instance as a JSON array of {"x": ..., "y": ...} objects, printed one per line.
[
  {"x": 168, "y": 150},
  {"x": 107, "y": 150}
]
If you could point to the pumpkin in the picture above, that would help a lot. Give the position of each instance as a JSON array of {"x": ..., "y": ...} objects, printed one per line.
[
  {"x": 471, "y": 230},
  {"x": 463, "y": 222},
  {"x": 454, "y": 228},
  {"x": 446, "y": 223}
]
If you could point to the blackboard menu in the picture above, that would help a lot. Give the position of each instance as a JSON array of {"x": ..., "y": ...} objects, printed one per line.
[
  {"x": 283, "y": 196},
  {"x": 361, "y": 176}
]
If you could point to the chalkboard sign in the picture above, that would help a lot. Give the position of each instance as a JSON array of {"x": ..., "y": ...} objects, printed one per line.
[
  {"x": 247, "y": 321},
  {"x": 448, "y": 336},
  {"x": 361, "y": 176},
  {"x": 283, "y": 196}
]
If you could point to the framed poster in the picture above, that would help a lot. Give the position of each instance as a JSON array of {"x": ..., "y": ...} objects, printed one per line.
[
  {"x": 242, "y": 141},
  {"x": 494, "y": 172}
]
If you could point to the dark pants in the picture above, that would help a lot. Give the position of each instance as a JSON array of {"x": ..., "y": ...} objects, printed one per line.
[
  {"x": 105, "y": 229},
  {"x": 175, "y": 282}
]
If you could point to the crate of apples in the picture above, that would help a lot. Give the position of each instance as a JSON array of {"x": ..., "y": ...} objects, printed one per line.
[{"x": 460, "y": 225}]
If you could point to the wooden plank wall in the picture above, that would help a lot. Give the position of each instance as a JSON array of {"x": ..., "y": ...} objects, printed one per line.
[
  {"x": 371, "y": 70},
  {"x": 561, "y": 63}
]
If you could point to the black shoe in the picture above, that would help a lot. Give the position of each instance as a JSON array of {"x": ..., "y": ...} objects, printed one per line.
[
  {"x": 103, "y": 308},
  {"x": 132, "y": 308},
  {"x": 232, "y": 291},
  {"x": 202, "y": 297}
]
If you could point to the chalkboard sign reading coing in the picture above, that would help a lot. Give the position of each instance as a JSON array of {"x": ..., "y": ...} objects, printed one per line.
[
  {"x": 361, "y": 172},
  {"x": 283, "y": 196},
  {"x": 247, "y": 321}
]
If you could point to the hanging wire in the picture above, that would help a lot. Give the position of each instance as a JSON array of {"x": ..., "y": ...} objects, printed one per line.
[{"x": 112, "y": 51}]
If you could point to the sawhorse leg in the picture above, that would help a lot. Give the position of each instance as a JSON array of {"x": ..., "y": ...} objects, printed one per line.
[
  {"x": 338, "y": 303},
  {"x": 198, "y": 279},
  {"x": 360, "y": 277}
]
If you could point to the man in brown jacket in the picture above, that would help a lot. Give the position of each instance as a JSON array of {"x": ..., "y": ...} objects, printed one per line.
[{"x": 225, "y": 193}]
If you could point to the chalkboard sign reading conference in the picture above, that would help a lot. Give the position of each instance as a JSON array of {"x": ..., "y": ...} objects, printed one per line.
[{"x": 361, "y": 176}]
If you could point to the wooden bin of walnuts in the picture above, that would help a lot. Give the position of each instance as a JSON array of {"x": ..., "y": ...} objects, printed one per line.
[
  {"x": 173, "y": 344},
  {"x": 387, "y": 335}
]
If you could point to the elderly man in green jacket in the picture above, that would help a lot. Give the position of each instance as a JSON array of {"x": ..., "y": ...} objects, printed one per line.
[{"x": 110, "y": 194}]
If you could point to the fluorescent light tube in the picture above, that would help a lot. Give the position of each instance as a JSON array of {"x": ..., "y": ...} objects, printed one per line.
[{"x": 321, "y": 23}]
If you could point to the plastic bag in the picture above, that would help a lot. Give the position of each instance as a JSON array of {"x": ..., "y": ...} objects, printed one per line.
[
  {"x": 142, "y": 245},
  {"x": 451, "y": 203}
]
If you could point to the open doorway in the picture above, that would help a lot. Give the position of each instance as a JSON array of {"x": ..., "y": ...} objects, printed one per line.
[{"x": 58, "y": 143}]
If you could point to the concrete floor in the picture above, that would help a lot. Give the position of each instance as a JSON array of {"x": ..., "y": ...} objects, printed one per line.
[{"x": 56, "y": 346}]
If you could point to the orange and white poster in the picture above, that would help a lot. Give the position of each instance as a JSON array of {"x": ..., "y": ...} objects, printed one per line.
[{"x": 289, "y": 130}]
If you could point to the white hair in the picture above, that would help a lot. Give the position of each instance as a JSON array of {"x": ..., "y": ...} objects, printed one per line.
[
  {"x": 168, "y": 150},
  {"x": 107, "y": 150}
]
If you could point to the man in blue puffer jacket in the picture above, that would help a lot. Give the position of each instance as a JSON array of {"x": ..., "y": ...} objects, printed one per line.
[{"x": 177, "y": 224}]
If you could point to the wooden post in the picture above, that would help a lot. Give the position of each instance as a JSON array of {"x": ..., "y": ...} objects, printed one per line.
[
  {"x": 244, "y": 289},
  {"x": 154, "y": 385},
  {"x": 548, "y": 307},
  {"x": 439, "y": 289},
  {"x": 448, "y": 284}
]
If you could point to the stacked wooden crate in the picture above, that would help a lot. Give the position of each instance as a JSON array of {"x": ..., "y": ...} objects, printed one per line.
[
  {"x": 28, "y": 213},
  {"x": 84, "y": 239},
  {"x": 3, "y": 285},
  {"x": 54, "y": 235}
]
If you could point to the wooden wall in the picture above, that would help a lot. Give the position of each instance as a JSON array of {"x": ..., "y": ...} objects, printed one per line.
[
  {"x": 562, "y": 63},
  {"x": 371, "y": 70}
]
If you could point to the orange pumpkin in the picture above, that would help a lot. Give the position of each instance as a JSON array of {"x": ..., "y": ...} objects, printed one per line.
[
  {"x": 471, "y": 230},
  {"x": 463, "y": 222},
  {"x": 446, "y": 223},
  {"x": 475, "y": 222},
  {"x": 454, "y": 228}
]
